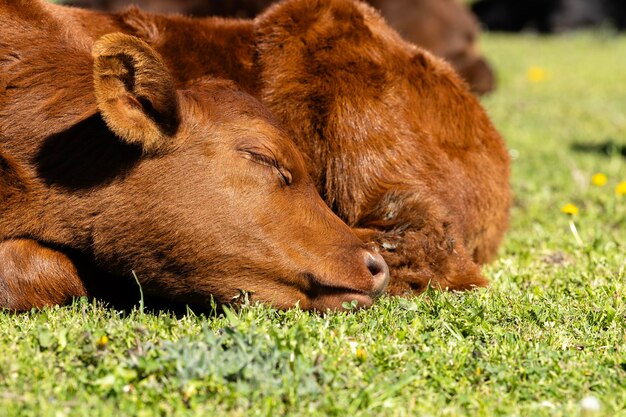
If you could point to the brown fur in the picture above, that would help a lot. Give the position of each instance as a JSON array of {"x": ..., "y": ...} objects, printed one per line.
[
  {"x": 395, "y": 142},
  {"x": 32, "y": 276},
  {"x": 197, "y": 190},
  {"x": 445, "y": 27}
]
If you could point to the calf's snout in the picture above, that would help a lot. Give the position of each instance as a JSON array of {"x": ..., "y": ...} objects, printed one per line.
[{"x": 379, "y": 270}]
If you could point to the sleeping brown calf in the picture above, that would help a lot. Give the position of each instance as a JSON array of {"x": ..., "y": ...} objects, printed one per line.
[
  {"x": 445, "y": 27},
  {"x": 396, "y": 144},
  {"x": 198, "y": 190}
]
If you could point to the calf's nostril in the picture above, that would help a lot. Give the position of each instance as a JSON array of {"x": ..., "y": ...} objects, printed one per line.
[
  {"x": 374, "y": 265},
  {"x": 379, "y": 270}
]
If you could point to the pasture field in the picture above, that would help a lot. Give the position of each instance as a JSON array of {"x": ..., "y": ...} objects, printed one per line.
[{"x": 550, "y": 331}]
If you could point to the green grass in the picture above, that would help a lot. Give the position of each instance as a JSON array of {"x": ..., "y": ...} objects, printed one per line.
[{"x": 547, "y": 333}]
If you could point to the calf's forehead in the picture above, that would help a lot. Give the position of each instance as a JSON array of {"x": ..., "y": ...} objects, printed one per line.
[{"x": 230, "y": 117}]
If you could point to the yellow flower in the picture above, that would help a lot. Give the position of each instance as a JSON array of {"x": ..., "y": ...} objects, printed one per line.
[
  {"x": 621, "y": 188},
  {"x": 536, "y": 74},
  {"x": 599, "y": 180},
  {"x": 361, "y": 355},
  {"x": 102, "y": 342},
  {"x": 570, "y": 209}
]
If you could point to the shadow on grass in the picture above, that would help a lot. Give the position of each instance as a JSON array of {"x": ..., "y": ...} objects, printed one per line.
[
  {"x": 123, "y": 293},
  {"x": 607, "y": 148}
]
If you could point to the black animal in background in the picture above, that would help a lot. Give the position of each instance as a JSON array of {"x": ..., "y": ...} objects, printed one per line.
[
  {"x": 549, "y": 16},
  {"x": 226, "y": 8}
]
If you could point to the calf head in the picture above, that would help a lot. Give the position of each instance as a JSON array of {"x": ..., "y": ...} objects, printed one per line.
[
  {"x": 199, "y": 192},
  {"x": 393, "y": 138}
]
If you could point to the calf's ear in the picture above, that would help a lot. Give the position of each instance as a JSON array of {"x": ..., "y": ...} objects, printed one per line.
[{"x": 135, "y": 92}]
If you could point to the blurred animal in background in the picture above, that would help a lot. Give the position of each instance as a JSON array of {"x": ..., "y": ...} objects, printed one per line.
[
  {"x": 445, "y": 27},
  {"x": 515, "y": 15},
  {"x": 226, "y": 8},
  {"x": 448, "y": 29},
  {"x": 548, "y": 16},
  {"x": 395, "y": 142},
  {"x": 616, "y": 11}
]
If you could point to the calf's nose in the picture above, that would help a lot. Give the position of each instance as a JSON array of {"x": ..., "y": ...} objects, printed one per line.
[{"x": 379, "y": 270}]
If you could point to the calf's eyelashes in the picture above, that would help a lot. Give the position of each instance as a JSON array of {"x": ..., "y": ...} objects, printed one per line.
[{"x": 269, "y": 161}]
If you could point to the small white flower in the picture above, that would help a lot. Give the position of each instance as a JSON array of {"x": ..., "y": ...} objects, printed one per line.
[{"x": 590, "y": 405}]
